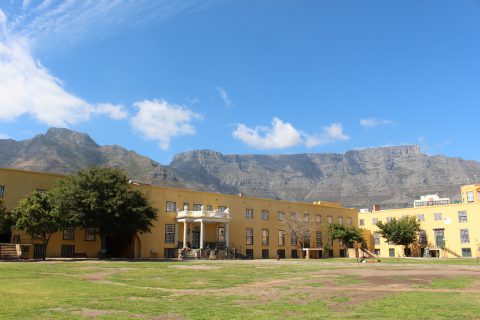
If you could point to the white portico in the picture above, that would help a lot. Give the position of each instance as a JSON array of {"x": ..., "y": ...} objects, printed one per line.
[{"x": 192, "y": 220}]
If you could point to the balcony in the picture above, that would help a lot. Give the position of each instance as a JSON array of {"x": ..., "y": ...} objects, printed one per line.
[{"x": 214, "y": 215}]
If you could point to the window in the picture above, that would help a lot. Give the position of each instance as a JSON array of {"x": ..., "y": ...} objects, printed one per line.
[
  {"x": 421, "y": 217},
  {"x": 281, "y": 216},
  {"x": 264, "y": 237},
  {"x": 265, "y": 214},
  {"x": 377, "y": 252},
  {"x": 391, "y": 252},
  {"x": 349, "y": 221},
  {"x": 249, "y": 214},
  {"x": 462, "y": 216},
  {"x": 281, "y": 253},
  {"x": 390, "y": 242},
  {"x": 466, "y": 252},
  {"x": 209, "y": 207},
  {"x": 197, "y": 207},
  {"x": 388, "y": 219},
  {"x": 376, "y": 239},
  {"x": 470, "y": 196},
  {"x": 293, "y": 239},
  {"x": 169, "y": 252},
  {"x": 294, "y": 254},
  {"x": 171, "y": 206},
  {"x": 221, "y": 234},
  {"x": 340, "y": 220},
  {"x": 281, "y": 238},
  {"x": 437, "y": 216},
  {"x": 69, "y": 233},
  {"x": 169, "y": 233},
  {"x": 16, "y": 239},
  {"x": 374, "y": 221},
  {"x": 90, "y": 233},
  {"x": 249, "y": 253},
  {"x": 306, "y": 217},
  {"x": 422, "y": 237},
  {"x": 265, "y": 254},
  {"x": 293, "y": 216},
  {"x": 318, "y": 218},
  {"x": 67, "y": 251},
  {"x": 2, "y": 191},
  {"x": 329, "y": 219},
  {"x": 318, "y": 239},
  {"x": 185, "y": 204},
  {"x": 343, "y": 253},
  {"x": 361, "y": 222},
  {"x": 464, "y": 236},
  {"x": 249, "y": 236},
  {"x": 222, "y": 208}
]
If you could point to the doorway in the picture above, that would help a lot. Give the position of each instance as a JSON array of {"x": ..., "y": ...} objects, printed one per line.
[{"x": 195, "y": 238}]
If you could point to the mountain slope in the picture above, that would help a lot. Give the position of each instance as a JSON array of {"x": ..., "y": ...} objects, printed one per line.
[{"x": 391, "y": 176}]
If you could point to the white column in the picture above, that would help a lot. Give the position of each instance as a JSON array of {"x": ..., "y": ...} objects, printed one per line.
[
  {"x": 226, "y": 233},
  {"x": 202, "y": 234},
  {"x": 184, "y": 233},
  {"x": 176, "y": 234}
]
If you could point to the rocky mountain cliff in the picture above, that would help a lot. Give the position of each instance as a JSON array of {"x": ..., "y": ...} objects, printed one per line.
[{"x": 390, "y": 176}]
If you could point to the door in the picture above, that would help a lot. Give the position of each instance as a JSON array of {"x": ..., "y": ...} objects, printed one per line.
[
  {"x": 38, "y": 250},
  {"x": 439, "y": 238},
  {"x": 195, "y": 238}
]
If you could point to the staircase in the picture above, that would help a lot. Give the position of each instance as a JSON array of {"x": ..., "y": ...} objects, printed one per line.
[
  {"x": 8, "y": 251},
  {"x": 192, "y": 254}
]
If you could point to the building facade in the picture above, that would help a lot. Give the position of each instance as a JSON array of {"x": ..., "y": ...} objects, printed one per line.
[
  {"x": 255, "y": 227},
  {"x": 449, "y": 230}
]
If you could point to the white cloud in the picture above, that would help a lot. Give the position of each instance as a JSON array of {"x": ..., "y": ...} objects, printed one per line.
[
  {"x": 283, "y": 135},
  {"x": 374, "y": 122},
  {"x": 226, "y": 99},
  {"x": 26, "y": 87},
  {"x": 161, "y": 121},
  {"x": 4, "y": 136}
]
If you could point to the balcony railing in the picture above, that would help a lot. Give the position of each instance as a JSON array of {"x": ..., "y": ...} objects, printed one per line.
[{"x": 215, "y": 214}]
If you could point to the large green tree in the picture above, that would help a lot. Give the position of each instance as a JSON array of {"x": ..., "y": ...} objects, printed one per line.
[
  {"x": 39, "y": 217},
  {"x": 5, "y": 220},
  {"x": 401, "y": 231},
  {"x": 101, "y": 198},
  {"x": 349, "y": 235}
]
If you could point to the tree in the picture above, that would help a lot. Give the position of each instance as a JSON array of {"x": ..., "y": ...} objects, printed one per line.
[
  {"x": 349, "y": 235},
  {"x": 5, "y": 219},
  {"x": 300, "y": 229},
  {"x": 101, "y": 198},
  {"x": 38, "y": 216},
  {"x": 401, "y": 231}
]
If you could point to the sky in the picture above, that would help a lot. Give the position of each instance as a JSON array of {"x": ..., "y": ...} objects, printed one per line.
[{"x": 244, "y": 76}]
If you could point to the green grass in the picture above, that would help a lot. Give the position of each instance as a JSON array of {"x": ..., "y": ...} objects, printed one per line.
[{"x": 215, "y": 290}]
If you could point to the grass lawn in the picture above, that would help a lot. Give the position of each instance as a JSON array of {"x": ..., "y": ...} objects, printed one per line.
[{"x": 259, "y": 289}]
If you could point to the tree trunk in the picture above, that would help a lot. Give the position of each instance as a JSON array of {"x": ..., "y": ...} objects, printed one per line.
[
  {"x": 103, "y": 246},
  {"x": 44, "y": 251}
]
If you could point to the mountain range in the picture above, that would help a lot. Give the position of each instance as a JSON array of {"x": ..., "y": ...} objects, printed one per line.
[{"x": 389, "y": 176}]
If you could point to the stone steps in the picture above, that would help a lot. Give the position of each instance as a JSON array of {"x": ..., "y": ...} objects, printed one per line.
[{"x": 8, "y": 251}]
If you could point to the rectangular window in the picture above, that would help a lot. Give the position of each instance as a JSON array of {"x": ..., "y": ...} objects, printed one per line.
[
  {"x": 16, "y": 239},
  {"x": 388, "y": 219},
  {"x": 376, "y": 239},
  {"x": 462, "y": 216},
  {"x": 464, "y": 236},
  {"x": 249, "y": 213},
  {"x": 265, "y": 254},
  {"x": 349, "y": 221},
  {"x": 361, "y": 222},
  {"x": 209, "y": 207},
  {"x": 69, "y": 233},
  {"x": 249, "y": 236},
  {"x": 374, "y": 221},
  {"x": 169, "y": 233},
  {"x": 221, "y": 234},
  {"x": 293, "y": 216},
  {"x": 318, "y": 239},
  {"x": 281, "y": 253},
  {"x": 67, "y": 251},
  {"x": 343, "y": 253},
  {"x": 265, "y": 214},
  {"x": 264, "y": 237},
  {"x": 470, "y": 196},
  {"x": 90, "y": 234},
  {"x": 422, "y": 237},
  {"x": 391, "y": 252},
  {"x": 222, "y": 208},
  {"x": 437, "y": 216},
  {"x": 306, "y": 217},
  {"x": 281, "y": 238},
  {"x": 466, "y": 252},
  {"x": 171, "y": 206},
  {"x": 186, "y": 206},
  {"x": 281, "y": 216},
  {"x": 169, "y": 253},
  {"x": 197, "y": 207},
  {"x": 2, "y": 191},
  {"x": 294, "y": 254},
  {"x": 329, "y": 219},
  {"x": 293, "y": 239},
  {"x": 340, "y": 220},
  {"x": 249, "y": 253},
  {"x": 421, "y": 217},
  {"x": 318, "y": 218}
]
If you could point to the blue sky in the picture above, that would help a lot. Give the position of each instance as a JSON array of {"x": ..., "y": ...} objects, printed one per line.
[{"x": 271, "y": 76}]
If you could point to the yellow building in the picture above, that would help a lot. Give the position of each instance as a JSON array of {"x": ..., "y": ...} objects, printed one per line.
[
  {"x": 255, "y": 227},
  {"x": 448, "y": 229}
]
